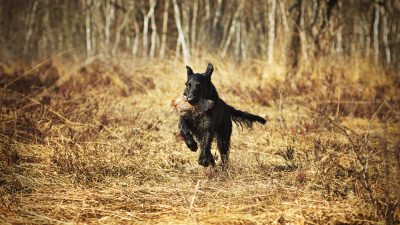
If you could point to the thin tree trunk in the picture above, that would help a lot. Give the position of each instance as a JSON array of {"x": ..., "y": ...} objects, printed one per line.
[
  {"x": 231, "y": 30},
  {"x": 164, "y": 29},
  {"x": 357, "y": 43},
  {"x": 367, "y": 34},
  {"x": 303, "y": 37},
  {"x": 206, "y": 22},
  {"x": 88, "y": 27},
  {"x": 64, "y": 24},
  {"x": 121, "y": 27},
  {"x": 181, "y": 36},
  {"x": 194, "y": 23},
  {"x": 178, "y": 47},
  {"x": 284, "y": 17},
  {"x": 215, "y": 22},
  {"x": 109, "y": 20},
  {"x": 339, "y": 32},
  {"x": 146, "y": 26},
  {"x": 96, "y": 29},
  {"x": 271, "y": 31},
  {"x": 385, "y": 38},
  {"x": 238, "y": 40},
  {"x": 294, "y": 49},
  {"x": 47, "y": 37},
  {"x": 243, "y": 46},
  {"x": 135, "y": 45},
  {"x": 153, "y": 35},
  {"x": 32, "y": 16},
  {"x": 376, "y": 34},
  {"x": 185, "y": 10}
]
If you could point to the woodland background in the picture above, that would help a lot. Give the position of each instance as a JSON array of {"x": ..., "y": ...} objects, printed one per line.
[{"x": 274, "y": 30}]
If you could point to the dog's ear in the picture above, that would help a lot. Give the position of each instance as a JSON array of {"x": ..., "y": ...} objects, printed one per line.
[
  {"x": 189, "y": 71},
  {"x": 209, "y": 71}
]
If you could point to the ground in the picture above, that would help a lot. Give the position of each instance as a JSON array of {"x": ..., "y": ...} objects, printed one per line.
[{"x": 94, "y": 142}]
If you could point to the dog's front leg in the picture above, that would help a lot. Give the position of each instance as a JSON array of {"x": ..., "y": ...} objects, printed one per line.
[
  {"x": 187, "y": 136},
  {"x": 206, "y": 157}
]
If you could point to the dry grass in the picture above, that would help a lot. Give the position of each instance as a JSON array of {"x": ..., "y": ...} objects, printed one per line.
[{"x": 93, "y": 143}]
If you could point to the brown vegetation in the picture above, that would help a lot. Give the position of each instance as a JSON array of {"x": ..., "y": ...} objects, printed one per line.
[{"x": 103, "y": 149}]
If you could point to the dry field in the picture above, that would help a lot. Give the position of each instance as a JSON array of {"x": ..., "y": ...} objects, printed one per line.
[{"x": 93, "y": 142}]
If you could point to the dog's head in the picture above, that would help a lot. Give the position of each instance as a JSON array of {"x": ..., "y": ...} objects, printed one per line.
[{"x": 198, "y": 85}]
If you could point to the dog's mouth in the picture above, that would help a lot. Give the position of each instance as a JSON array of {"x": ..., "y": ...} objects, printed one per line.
[{"x": 193, "y": 100}]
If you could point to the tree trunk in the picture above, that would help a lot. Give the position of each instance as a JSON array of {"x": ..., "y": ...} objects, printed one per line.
[
  {"x": 339, "y": 31},
  {"x": 303, "y": 36},
  {"x": 135, "y": 45},
  {"x": 121, "y": 27},
  {"x": 164, "y": 29},
  {"x": 231, "y": 30},
  {"x": 283, "y": 14},
  {"x": 385, "y": 38},
  {"x": 153, "y": 35},
  {"x": 146, "y": 26},
  {"x": 206, "y": 23},
  {"x": 243, "y": 45},
  {"x": 31, "y": 21},
  {"x": 109, "y": 20},
  {"x": 88, "y": 28},
  {"x": 294, "y": 49},
  {"x": 181, "y": 36},
  {"x": 238, "y": 40},
  {"x": 376, "y": 33},
  {"x": 185, "y": 10},
  {"x": 194, "y": 23},
  {"x": 215, "y": 22},
  {"x": 271, "y": 31},
  {"x": 367, "y": 34}
]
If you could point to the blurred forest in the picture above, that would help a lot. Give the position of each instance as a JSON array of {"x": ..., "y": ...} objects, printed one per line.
[{"x": 291, "y": 31}]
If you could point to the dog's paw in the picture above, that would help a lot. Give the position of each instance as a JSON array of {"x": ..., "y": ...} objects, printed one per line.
[
  {"x": 206, "y": 161},
  {"x": 192, "y": 145}
]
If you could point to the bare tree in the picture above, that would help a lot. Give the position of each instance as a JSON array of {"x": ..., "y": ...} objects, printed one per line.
[
  {"x": 110, "y": 14},
  {"x": 122, "y": 26},
  {"x": 181, "y": 36},
  {"x": 164, "y": 29},
  {"x": 282, "y": 9},
  {"x": 146, "y": 19},
  {"x": 376, "y": 33},
  {"x": 31, "y": 21},
  {"x": 194, "y": 23},
  {"x": 215, "y": 21},
  {"x": 385, "y": 37},
  {"x": 153, "y": 35},
  {"x": 231, "y": 30},
  {"x": 271, "y": 31},
  {"x": 88, "y": 27},
  {"x": 135, "y": 45}
]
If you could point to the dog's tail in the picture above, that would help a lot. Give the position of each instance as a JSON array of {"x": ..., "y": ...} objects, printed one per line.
[{"x": 244, "y": 118}]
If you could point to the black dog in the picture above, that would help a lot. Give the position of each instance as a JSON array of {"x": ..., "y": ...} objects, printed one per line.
[{"x": 216, "y": 121}]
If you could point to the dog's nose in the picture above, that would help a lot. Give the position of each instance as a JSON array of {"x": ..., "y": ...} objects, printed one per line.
[{"x": 191, "y": 100}]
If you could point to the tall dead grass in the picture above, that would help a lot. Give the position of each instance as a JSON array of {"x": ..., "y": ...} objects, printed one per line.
[{"x": 93, "y": 142}]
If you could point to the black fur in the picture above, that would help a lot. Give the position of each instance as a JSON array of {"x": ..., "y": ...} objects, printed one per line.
[{"x": 216, "y": 122}]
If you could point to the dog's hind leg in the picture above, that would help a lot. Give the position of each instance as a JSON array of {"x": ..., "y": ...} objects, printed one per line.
[{"x": 223, "y": 141}]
